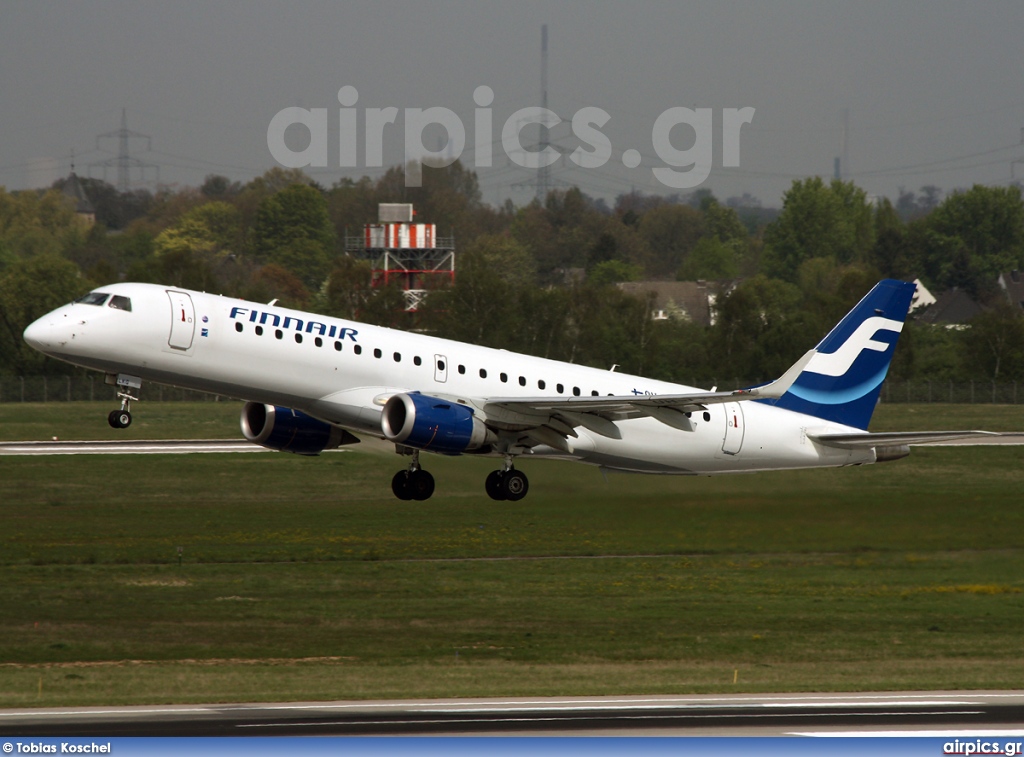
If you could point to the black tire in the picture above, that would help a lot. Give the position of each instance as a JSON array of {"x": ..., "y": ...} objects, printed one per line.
[
  {"x": 400, "y": 485},
  {"x": 119, "y": 419},
  {"x": 515, "y": 485},
  {"x": 420, "y": 485},
  {"x": 493, "y": 485}
]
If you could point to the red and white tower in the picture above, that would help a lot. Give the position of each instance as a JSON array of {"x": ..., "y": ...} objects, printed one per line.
[{"x": 407, "y": 252}]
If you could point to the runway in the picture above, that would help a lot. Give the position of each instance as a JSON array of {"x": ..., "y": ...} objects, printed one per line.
[
  {"x": 193, "y": 446},
  {"x": 130, "y": 447},
  {"x": 974, "y": 714}
]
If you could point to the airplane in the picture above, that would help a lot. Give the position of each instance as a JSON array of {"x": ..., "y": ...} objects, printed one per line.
[{"x": 312, "y": 383}]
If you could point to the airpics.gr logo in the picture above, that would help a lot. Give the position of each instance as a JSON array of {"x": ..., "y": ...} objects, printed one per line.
[{"x": 682, "y": 169}]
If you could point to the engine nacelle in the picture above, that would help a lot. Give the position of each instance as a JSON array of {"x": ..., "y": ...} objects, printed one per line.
[
  {"x": 287, "y": 430},
  {"x": 430, "y": 423}
]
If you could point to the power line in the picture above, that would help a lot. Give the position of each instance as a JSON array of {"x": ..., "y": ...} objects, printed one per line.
[{"x": 124, "y": 162}]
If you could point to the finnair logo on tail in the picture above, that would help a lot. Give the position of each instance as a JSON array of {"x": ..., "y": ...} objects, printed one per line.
[{"x": 839, "y": 362}]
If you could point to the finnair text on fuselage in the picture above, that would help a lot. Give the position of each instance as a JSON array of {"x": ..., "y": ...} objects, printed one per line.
[{"x": 265, "y": 318}]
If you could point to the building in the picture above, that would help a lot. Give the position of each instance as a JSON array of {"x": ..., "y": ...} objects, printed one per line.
[
  {"x": 73, "y": 190},
  {"x": 686, "y": 300},
  {"x": 953, "y": 309},
  {"x": 411, "y": 254},
  {"x": 1012, "y": 284},
  {"x": 922, "y": 297}
]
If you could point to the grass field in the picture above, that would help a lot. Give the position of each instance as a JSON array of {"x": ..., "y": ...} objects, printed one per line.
[{"x": 303, "y": 578}]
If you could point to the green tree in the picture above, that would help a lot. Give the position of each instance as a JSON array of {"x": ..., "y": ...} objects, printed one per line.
[
  {"x": 294, "y": 230},
  {"x": 32, "y": 224},
  {"x": 482, "y": 306},
  {"x": 994, "y": 344},
  {"x": 210, "y": 230},
  {"x": 712, "y": 258},
  {"x": 891, "y": 253},
  {"x": 818, "y": 220},
  {"x": 760, "y": 329},
  {"x": 671, "y": 232},
  {"x": 973, "y": 236}
]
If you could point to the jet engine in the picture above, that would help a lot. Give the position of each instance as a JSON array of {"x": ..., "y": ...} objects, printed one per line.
[
  {"x": 430, "y": 423},
  {"x": 287, "y": 430}
]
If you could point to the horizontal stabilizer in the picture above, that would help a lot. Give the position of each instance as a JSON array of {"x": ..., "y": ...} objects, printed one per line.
[{"x": 888, "y": 439}]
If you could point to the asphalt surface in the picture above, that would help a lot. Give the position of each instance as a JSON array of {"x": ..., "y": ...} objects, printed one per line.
[
  {"x": 129, "y": 447},
  {"x": 189, "y": 446},
  {"x": 920, "y": 713}
]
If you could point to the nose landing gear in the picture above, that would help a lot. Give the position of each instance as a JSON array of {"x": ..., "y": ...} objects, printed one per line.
[{"x": 123, "y": 418}]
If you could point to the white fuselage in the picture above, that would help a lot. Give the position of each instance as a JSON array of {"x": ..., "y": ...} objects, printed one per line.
[{"x": 343, "y": 371}]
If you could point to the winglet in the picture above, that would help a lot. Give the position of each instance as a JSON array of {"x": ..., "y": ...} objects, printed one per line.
[{"x": 781, "y": 385}]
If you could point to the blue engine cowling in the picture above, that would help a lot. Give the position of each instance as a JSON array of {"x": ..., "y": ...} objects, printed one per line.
[
  {"x": 287, "y": 430},
  {"x": 433, "y": 424}
]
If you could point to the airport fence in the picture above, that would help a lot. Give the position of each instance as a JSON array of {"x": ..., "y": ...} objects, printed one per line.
[
  {"x": 88, "y": 389},
  {"x": 93, "y": 389}
]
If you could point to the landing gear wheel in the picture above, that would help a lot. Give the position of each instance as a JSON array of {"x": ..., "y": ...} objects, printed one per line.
[
  {"x": 400, "y": 485},
  {"x": 119, "y": 419},
  {"x": 514, "y": 484},
  {"x": 420, "y": 485},
  {"x": 493, "y": 485}
]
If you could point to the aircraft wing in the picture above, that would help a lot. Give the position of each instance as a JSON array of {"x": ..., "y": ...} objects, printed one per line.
[
  {"x": 551, "y": 420},
  {"x": 889, "y": 439}
]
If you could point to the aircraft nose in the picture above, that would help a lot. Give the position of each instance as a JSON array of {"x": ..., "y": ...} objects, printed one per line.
[{"x": 38, "y": 334}]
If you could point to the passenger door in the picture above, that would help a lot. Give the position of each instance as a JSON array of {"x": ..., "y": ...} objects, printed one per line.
[
  {"x": 733, "y": 442},
  {"x": 183, "y": 320}
]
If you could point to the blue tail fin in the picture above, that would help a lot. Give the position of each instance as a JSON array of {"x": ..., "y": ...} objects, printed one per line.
[{"x": 842, "y": 381}]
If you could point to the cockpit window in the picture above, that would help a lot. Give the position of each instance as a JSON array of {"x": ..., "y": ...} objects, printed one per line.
[
  {"x": 93, "y": 298},
  {"x": 121, "y": 303}
]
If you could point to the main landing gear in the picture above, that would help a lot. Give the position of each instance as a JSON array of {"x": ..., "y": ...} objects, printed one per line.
[
  {"x": 417, "y": 484},
  {"x": 414, "y": 483},
  {"x": 123, "y": 418},
  {"x": 507, "y": 483}
]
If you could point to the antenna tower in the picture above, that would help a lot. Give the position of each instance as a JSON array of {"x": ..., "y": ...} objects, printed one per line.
[
  {"x": 543, "y": 171},
  {"x": 124, "y": 162}
]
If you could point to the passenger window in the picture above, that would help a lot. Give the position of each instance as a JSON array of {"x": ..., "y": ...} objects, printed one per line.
[
  {"x": 119, "y": 302},
  {"x": 259, "y": 330},
  {"x": 337, "y": 345},
  {"x": 278, "y": 333},
  {"x": 560, "y": 389},
  {"x": 238, "y": 328},
  {"x": 594, "y": 394},
  {"x": 377, "y": 352},
  {"x": 542, "y": 384},
  {"x": 504, "y": 378},
  {"x": 298, "y": 338},
  {"x": 398, "y": 357},
  {"x": 483, "y": 373},
  {"x": 358, "y": 349},
  {"x": 318, "y": 342},
  {"x": 522, "y": 381},
  {"x": 462, "y": 370},
  {"x": 417, "y": 361},
  {"x": 576, "y": 391}
]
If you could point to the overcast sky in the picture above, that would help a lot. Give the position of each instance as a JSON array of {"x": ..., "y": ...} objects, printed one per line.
[{"x": 933, "y": 88}]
